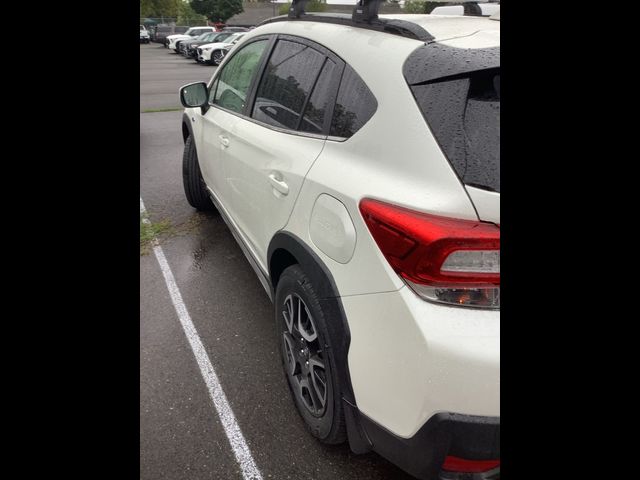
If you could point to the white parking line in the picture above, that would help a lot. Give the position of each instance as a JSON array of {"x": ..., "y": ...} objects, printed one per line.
[{"x": 231, "y": 428}]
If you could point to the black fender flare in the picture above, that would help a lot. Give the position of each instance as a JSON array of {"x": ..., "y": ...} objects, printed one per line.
[{"x": 286, "y": 249}]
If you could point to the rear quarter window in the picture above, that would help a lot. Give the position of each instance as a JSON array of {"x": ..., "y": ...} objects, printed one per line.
[{"x": 355, "y": 105}]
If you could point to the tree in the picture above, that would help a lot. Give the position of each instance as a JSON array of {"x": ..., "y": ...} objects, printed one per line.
[
  {"x": 186, "y": 15},
  {"x": 217, "y": 10},
  {"x": 160, "y": 8},
  {"x": 146, "y": 8}
]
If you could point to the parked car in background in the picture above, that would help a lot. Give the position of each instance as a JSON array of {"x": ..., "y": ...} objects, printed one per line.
[
  {"x": 235, "y": 29},
  {"x": 189, "y": 47},
  {"x": 173, "y": 41},
  {"x": 213, "y": 53},
  {"x": 228, "y": 48},
  {"x": 162, "y": 31},
  {"x": 474, "y": 9},
  {"x": 144, "y": 35}
]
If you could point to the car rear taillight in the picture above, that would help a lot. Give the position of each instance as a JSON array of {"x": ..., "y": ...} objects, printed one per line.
[
  {"x": 442, "y": 259},
  {"x": 461, "y": 465}
]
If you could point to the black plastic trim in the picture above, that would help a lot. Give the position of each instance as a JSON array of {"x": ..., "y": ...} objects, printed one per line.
[
  {"x": 297, "y": 8},
  {"x": 366, "y": 10},
  {"x": 465, "y": 436}
]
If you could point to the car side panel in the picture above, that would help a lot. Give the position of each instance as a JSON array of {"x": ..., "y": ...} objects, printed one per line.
[{"x": 256, "y": 153}]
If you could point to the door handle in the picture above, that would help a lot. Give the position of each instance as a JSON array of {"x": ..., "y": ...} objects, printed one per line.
[
  {"x": 279, "y": 185},
  {"x": 223, "y": 140}
]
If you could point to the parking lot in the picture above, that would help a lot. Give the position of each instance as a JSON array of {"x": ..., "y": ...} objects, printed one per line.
[{"x": 182, "y": 436}]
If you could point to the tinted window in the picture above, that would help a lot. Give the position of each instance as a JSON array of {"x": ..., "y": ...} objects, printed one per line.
[
  {"x": 287, "y": 81},
  {"x": 464, "y": 115},
  {"x": 314, "y": 112},
  {"x": 355, "y": 105},
  {"x": 234, "y": 81}
]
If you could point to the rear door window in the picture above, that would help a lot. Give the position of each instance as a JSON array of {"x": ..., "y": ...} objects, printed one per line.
[
  {"x": 315, "y": 112},
  {"x": 286, "y": 83}
]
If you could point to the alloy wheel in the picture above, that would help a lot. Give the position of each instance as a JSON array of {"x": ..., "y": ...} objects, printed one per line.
[{"x": 303, "y": 355}]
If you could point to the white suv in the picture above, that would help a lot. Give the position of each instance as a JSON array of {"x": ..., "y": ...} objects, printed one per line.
[
  {"x": 357, "y": 165},
  {"x": 173, "y": 41},
  {"x": 213, "y": 53},
  {"x": 144, "y": 34}
]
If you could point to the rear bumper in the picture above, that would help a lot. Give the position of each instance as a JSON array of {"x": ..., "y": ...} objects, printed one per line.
[{"x": 465, "y": 436}]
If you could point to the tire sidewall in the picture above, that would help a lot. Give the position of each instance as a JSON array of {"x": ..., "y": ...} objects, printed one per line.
[
  {"x": 193, "y": 183},
  {"x": 293, "y": 280}
]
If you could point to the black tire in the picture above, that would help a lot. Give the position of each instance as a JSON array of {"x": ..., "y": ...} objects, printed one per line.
[
  {"x": 194, "y": 186},
  {"x": 326, "y": 423},
  {"x": 216, "y": 61}
]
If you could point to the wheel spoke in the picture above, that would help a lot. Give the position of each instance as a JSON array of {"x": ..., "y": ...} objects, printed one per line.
[
  {"x": 309, "y": 397},
  {"x": 318, "y": 379},
  {"x": 289, "y": 353},
  {"x": 304, "y": 361},
  {"x": 307, "y": 328},
  {"x": 288, "y": 313}
]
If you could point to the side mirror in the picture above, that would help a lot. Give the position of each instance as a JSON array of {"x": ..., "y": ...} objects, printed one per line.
[{"x": 194, "y": 95}]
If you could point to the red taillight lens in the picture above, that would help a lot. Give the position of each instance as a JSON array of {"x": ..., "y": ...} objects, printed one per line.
[
  {"x": 455, "y": 464},
  {"x": 443, "y": 259}
]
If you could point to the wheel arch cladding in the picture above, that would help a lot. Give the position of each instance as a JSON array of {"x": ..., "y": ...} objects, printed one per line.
[{"x": 285, "y": 250}]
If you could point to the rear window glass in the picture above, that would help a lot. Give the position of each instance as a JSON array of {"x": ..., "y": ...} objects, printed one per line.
[{"x": 464, "y": 116}]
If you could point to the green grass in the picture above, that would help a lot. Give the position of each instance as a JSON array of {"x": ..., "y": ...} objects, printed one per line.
[
  {"x": 166, "y": 109},
  {"x": 149, "y": 231}
]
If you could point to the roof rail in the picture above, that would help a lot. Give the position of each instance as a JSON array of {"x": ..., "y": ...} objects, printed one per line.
[{"x": 365, "y": 15}]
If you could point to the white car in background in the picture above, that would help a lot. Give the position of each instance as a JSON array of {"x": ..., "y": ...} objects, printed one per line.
[
  {"x": 213, "y": 53},
  {"x": 144, "y": 35},
  {"x": 469, "y": 9},
  {"x": 172, "y": 41}
]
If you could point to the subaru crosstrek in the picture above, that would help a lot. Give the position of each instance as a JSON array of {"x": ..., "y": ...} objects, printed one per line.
[{"x": 358, "y": 166}]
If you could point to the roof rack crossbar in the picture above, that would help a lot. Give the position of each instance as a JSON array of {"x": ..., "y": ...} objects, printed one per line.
[
  {"x": 402, "y": 28},
  {"x": 366, "y": 11},
  {"x": 296, "y": 10}
]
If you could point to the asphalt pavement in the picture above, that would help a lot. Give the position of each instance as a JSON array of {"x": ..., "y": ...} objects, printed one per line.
[{"x": 181, "y": 434}]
